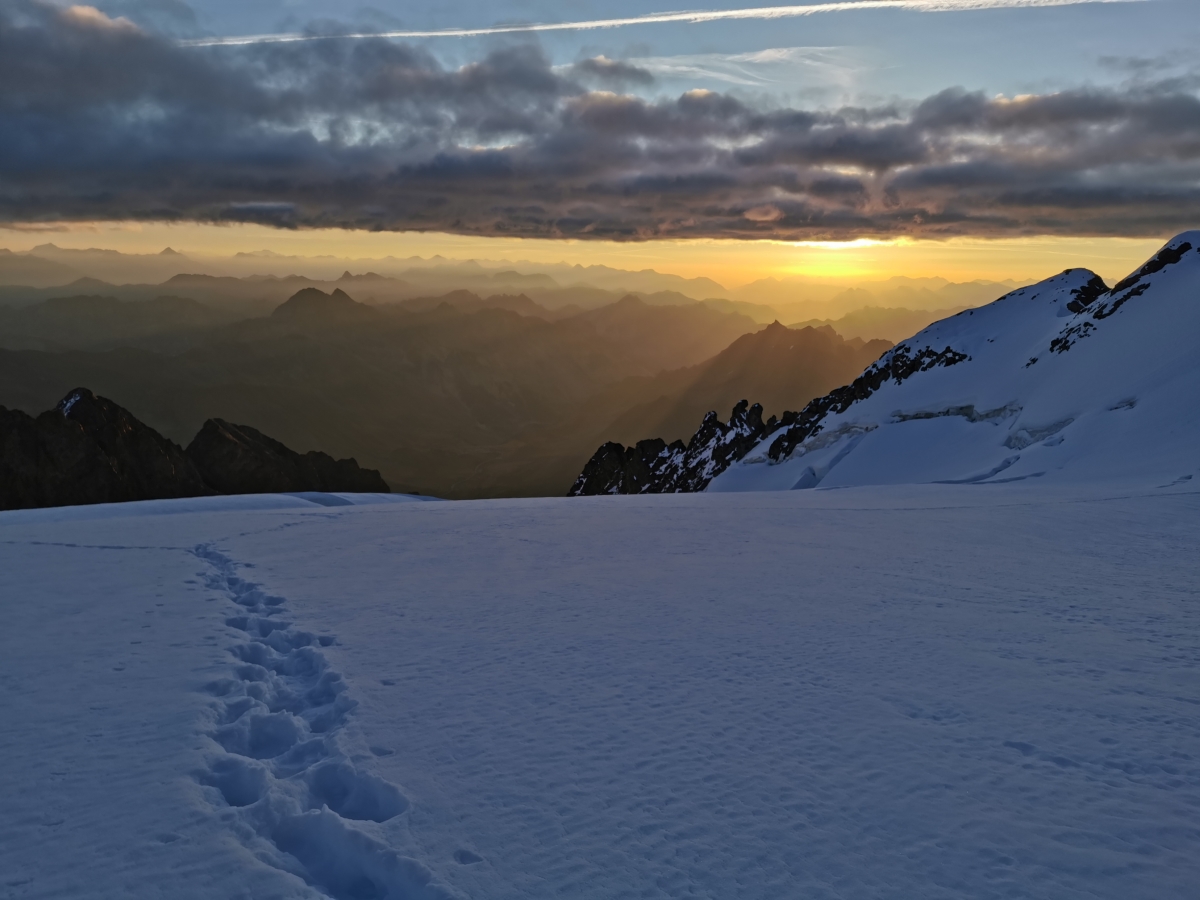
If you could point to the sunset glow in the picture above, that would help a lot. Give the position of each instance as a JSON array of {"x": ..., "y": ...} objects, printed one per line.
[{"x": 729, "y": 262}]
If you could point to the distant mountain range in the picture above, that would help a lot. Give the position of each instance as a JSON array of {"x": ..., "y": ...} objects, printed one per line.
[
  {"x": 50, "y": 266},
  {"x": 809, "y": 301},
  {"x": 890, "y": 323},
  {"x": 257, "y": 296},
  {"x": 1064, "y": 380},
  {"x": 455, "y": 396},
  {"x": 254, "y": 283}
]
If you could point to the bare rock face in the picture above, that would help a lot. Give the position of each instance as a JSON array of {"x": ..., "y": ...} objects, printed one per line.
[
  {"x": 655, "y": 467},
  {"x": 616, "y": 469},
  {"x": 88, "y": 450},
  {"x": 147, "y": 465},
  {"x": 50, "y": 461},
  {"x": 238, "y": 459}
]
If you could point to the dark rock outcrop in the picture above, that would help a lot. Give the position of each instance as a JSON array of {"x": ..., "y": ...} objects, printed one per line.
[
  {"x": 654, "y": 467},
  {"x": 146, "y": 464},
  {"x": 1082, "y": 297},
  {"x": 49, "y": 461},
  {"x": 1099, "y": 303},
  {"x": 89, "y": 450},
  {"x": 238, "y": 459},
  {"x": 616, "y": 469}
]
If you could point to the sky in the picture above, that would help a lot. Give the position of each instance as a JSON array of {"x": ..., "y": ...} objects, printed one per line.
[{"x": 1009, "y": 139}]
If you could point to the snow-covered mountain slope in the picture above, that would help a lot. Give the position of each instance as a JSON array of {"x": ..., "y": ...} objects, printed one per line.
[
  {"x": 916, "y": 691},
  {"x": 1062, "y": 380}
]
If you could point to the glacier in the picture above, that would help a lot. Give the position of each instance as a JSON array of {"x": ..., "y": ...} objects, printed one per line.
[{"x": 891, "y": 691}]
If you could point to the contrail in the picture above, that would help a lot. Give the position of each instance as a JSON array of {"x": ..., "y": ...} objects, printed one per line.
[{"x": 695, "y": 16}]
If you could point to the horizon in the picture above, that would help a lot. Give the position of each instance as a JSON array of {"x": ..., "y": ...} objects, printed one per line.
[{"x": 731, "y": 264}]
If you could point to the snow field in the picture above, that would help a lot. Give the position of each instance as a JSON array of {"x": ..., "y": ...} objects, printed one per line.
[
  {"x": 103, "y": 647},
  {"x": 893, "y": 692}
]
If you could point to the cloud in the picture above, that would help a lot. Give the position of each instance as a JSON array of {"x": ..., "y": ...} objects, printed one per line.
[
  {"x": 107, "y": 122},
  {"x": 90, "y": 17},
  {"x": 692, "y": 17},
  {"x": 765, "y": 213},
  {"x": 612, "y": 73},
  {"x": 828, "y": 67},
  {"x": 172, "y": 17}
]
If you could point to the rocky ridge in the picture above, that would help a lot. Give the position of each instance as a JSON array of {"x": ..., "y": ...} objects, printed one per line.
[
  {"x": 655, "y": 467},
  {"x": 238, "y": 459},
  {"x": 89, "y": 449}
]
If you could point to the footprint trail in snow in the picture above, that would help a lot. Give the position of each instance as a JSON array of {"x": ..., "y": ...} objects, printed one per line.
[{"x": 301, "y": 804}]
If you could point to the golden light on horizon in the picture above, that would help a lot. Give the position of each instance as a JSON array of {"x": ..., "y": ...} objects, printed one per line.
[{"x": 731, "y": 263}]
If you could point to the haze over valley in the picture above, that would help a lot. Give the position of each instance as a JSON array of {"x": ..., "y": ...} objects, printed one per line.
[{"x": 452, "y": 378}]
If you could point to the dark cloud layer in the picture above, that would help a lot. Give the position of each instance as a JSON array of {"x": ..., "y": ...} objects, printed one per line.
[{"x": 100, "y": 120}]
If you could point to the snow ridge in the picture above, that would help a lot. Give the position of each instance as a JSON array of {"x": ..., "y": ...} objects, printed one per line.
[
  {"x": 951, "y": 404},
  {"x": 294, "y": 791},
  {"x": 1100, "y": 304}
]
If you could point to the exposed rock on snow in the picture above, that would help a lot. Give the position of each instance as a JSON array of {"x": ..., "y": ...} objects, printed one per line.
[
  {"x": 1090, "y": 304},
  {"x": 654, "y": 467},
  {"x": 897, "y": 365}
]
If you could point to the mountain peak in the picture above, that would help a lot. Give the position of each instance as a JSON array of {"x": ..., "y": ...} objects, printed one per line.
[
  {"x": 1184, "y": 237},
  {"x": 314, "y": 303},
  {"x": 365, "y": 276}
]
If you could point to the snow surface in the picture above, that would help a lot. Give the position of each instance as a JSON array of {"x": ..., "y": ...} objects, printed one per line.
[
  {"x": 917, "y": 691},
  {"x": 1119, "y": 405}
]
